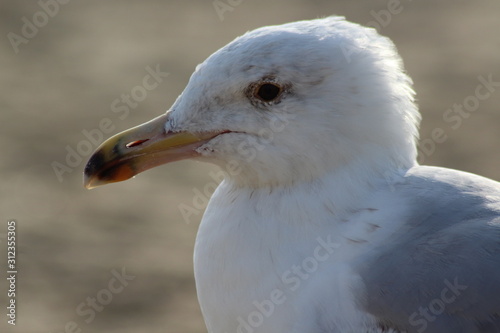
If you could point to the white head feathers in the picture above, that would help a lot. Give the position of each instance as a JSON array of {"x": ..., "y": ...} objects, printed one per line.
[{"x": 344, "y": 101}]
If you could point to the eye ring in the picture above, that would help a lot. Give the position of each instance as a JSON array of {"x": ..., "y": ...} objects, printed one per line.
[{"x": 267, "y": 91}]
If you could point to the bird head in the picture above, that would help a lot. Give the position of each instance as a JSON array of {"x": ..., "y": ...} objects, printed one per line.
[{"x": 278, "y": 105}]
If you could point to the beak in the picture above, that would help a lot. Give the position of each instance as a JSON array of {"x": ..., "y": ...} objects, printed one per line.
[{"x": 138, "y": 149}]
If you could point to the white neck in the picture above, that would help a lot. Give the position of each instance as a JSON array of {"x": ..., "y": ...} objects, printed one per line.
[{"x": 251, "y": 237}]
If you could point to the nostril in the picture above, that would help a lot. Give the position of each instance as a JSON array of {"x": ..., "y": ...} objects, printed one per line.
[{"x": 135, "y": 143}]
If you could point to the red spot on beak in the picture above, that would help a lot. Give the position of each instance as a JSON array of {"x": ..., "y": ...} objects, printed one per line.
[{"x": 135, "y": 143}]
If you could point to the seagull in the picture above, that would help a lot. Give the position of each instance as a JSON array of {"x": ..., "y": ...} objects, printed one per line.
[{"x": 324, "y": 221}]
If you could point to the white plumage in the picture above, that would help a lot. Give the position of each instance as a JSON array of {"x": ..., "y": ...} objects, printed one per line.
[{"x": 325, "y": 222}]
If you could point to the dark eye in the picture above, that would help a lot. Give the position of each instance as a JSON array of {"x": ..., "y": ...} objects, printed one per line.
[{"x": 267, "y": 92}]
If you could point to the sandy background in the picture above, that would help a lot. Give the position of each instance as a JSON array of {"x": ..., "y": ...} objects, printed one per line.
[{"x": 64, "y": 80}]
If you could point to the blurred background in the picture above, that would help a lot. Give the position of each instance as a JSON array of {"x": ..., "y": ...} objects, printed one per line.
[{"x": 65, "y": 67}]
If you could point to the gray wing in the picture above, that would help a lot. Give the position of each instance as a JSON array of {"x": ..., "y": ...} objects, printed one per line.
[{"x": 441, "y": 271}]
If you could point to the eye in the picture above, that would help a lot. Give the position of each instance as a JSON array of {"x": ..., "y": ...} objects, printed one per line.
[{"x": 267, "y": 91}]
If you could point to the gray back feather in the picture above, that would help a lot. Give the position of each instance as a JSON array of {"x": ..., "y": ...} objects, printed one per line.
[{"x": 441, "y": 271}]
